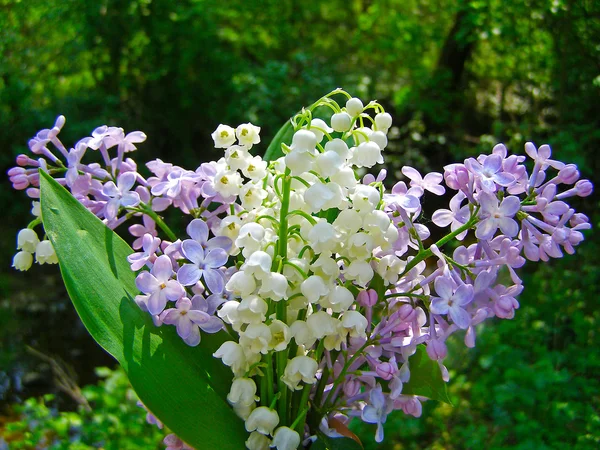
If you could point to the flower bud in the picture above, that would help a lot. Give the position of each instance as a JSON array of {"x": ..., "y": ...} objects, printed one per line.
[
  {"x": 263, "y": 420},
  {"x": 354, "y": 106},
  {"x": 367, "y": 298},
  {"x": 341, "y": 121},
  {"x": 304, "y": 141},
  {"x": 584, "y": 188},
  {"x": 437, "y": 349},
  {"x": 383, "y": 121},
  {"x": 569, "y": 174},
  {"x": 22, "y": 261}
]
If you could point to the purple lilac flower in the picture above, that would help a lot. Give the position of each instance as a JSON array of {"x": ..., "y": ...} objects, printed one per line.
[
  {"x": 190, "y": 320},
  {"x": 140, "y": 230},
  {"x": 198, "y": 231},
  {"x": 377, "y": 411},
  {"x": 451, "y": 301},
  {"x": 456, "y": 216},
  {"x": 205, "y": 264},
  {"x": 490, "y": 173},
  {"x": 431, "y": 181},
  {"x": 120, "y": 194},
  {"x": 496, "y": 216},
  {"x": 150, "y": 245},
  {"x": 158, "y": 285}
]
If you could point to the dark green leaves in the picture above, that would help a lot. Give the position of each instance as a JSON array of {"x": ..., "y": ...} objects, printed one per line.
[
  {"x": 425, "y": 377},
  {"x": 184, "y": 387}
]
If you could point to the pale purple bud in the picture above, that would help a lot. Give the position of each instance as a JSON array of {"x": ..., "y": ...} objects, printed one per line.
[
  {"x": 437, "y": 350},
  {"x": 568, "y": 174},
  {"x": 367, "y": 298},
  {"x": 584, "y": 188}
]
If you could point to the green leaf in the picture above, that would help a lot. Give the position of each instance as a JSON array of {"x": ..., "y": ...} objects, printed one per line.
[
  {"x": 185, "y": 387},
  {"x": 425, "y": 377},
  {"x": 284, "y": 134}
]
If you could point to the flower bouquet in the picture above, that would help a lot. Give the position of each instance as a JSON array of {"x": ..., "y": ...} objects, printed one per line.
[{"x": 302, "y": 294}]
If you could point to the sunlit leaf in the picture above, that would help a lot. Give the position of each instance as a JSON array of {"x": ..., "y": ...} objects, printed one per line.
[{"x": 185, "y": 387}]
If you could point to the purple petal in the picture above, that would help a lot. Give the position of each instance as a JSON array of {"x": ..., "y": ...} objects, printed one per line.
[
  {"x": 112, "y": 208},
  {"x": 443, "y": 287},
  {"x": 213, "y": 325},
  {"x": 184, "y": 327},
  {"x": 171, "y": 316},
  {"x": 411, "y": 173},
  {"x": 146, "y": 283},
  {"x": 216, "y": 258},
  {"x": 199, "y": 303},
  {"x": 157, "y": 302},
  {"x": 135, "y": 137},
  {"x": 486, "y": 229},
  {"x": 504, "y": 179},
  {"x": 174, "y": 290},
  {"x": 463, "y": 295},
  {"x": 439, "y": 305},
  {"x": 198, "y": 230},
  {"x": 442, "y": 217},
  {"x": 198, "y": 317},
  {"x": 460, "y": 317},
  {"x": 126, "y": 181},
  {"x": 110, "y": 189},
  {"x": 194, "y": 337},
  {"x": 214, "y": 280},
  {"x": 162, "y": 269},
  {"x": 492, "y": 163},
  {"x": 193, "y": 251},
  {"x": 220, "y": 242},
  {"x": 437, "y": 190},
  {"x": 508, "y": 226},
  {"x": 130, "y": 199},
  {"x": 369, "y": 414},
  {"x": 510, "y": 206},
  {"x": 188, "y": 274}
]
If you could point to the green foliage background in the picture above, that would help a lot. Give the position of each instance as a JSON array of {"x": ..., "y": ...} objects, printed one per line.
[{"x": 457, "y": 75}]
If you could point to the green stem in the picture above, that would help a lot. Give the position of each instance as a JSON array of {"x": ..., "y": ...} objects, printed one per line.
[{"x": 163, "y": 226}]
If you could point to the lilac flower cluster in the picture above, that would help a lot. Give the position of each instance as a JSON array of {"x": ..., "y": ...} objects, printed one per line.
[{"x": 324, "y": 281}]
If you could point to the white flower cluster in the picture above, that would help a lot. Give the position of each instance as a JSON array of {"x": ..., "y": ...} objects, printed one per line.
[
  {"x": 301, "y": 266},
  {"x": 29, "y": 244}
]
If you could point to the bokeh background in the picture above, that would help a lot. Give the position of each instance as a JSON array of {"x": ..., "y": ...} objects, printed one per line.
[{"x": 457, "y": 75}]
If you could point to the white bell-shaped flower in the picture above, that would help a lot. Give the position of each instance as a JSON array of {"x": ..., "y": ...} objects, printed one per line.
[
  {"x": 257, "y": 441},
  {"x": 27, "y": 240},
  {"x": 223, "y": 136},
  {"x": 299, "y": 162},
  {"x": 367, "y": 154},
  {"x": 355, "y": 323},
  {"x": 232, "y": 355},
  {"x": 252, "y": 309},
  {"x": 360, "y": 271},
  {"x": 389, "y": 267},
  {"x": 316, "y": 125},
  {"x": 241, "y": 284},
  {"x": 250, "y": 235},
  {"x": 242, "y": 392},
  {"x": 252, "y": 195},
  {"x": 45, "y": 254},
  {"x": 325, "y": 267},
  {"x": 300, "y": 368},
  {"x": 380, "y": 138},
  {"x": 345, "y": 177},
  {"x": 280, "y": 335},
  {"x": 228, "y": 183},
  {"x": 338, "y": 146},
  {"x": 339, "y": 299},
  {"x": 341, "y": 121},
  {"x": 256, "y": 338},
  {"x": 328, "y": 163},
  {"x": 274, "y": 286},
  {"x": 22, "y": 260},
  {"x": 248, "y": 134},
  {"x": 313, "y": 288},
  {"x": 365, "y": 198},
  {"x": 256, "y": 168},
  {"x": 237, "y": 157},
  {"x": 258, "y": 264},
  {"x": 304, "y": 141},
  {"x": 285, "y": 439},
  {"x": 263, "y": 420},
  {"x": 302, "y": 333},
  {"x": 322, "y": 324}
]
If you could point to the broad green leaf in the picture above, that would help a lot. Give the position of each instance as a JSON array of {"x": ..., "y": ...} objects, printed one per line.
[
  {"x": 185, "y": 387},
  {"x": 284, "y": 135},
  {"x": 425, "y": 377}
]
